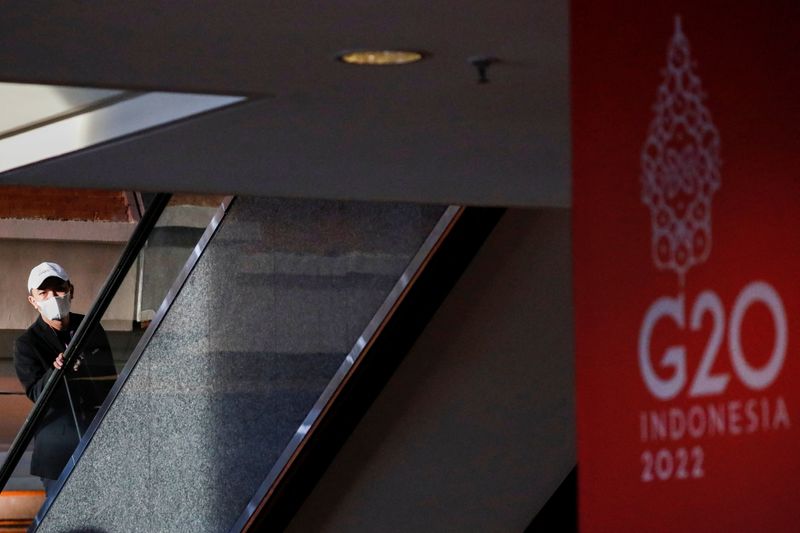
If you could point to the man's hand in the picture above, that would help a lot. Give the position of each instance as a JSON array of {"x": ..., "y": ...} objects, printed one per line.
[{"x": 59, "y": 362}]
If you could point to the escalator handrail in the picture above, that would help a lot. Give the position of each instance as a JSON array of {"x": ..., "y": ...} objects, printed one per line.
[
  {"x": 140, "y": 235},
  {"x": 280, "y": 470}
]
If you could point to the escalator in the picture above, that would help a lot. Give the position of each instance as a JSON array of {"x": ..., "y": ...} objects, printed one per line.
[{"x": 278, "y": 331}]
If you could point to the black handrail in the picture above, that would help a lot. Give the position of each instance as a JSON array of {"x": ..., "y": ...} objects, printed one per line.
[{"x": 90, "y": 321}]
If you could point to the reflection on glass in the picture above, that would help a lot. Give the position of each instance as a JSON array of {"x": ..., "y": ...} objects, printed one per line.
[{"x": 69, "y": 268}]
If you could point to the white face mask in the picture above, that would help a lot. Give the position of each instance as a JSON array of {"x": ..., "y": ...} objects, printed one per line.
[{"x": 55, "y": 307}]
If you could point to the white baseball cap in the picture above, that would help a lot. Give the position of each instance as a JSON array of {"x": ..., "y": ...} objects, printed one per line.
[{"x": 43, "y": 271}]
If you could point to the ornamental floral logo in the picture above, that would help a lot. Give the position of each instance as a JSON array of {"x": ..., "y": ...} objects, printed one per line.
[{"x": 680, "y": 165}]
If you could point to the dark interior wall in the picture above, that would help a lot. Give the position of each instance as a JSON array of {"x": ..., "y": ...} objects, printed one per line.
[{"x": 475, "y": 430}]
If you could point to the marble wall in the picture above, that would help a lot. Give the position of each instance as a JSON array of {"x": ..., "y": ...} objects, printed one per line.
[{"x": 273, "y": 306}]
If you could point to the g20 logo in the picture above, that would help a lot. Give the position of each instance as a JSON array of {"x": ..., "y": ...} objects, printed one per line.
[{"x": 704, "y": 383}]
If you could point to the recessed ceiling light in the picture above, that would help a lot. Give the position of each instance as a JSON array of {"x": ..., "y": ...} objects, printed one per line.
[{"x": 380, "y": 57}]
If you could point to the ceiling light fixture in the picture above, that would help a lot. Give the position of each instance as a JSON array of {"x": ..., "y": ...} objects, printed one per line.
[{"x": 380, "y": 57}]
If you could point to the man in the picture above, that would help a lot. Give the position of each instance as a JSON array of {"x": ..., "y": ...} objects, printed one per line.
[{"x": 40, "y": 351}]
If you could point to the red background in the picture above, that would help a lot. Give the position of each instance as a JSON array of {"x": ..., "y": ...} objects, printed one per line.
[{"x": 746, "y": 55}]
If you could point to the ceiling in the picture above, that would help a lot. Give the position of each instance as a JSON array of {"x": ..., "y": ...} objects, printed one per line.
[{"x": 313, "y": 127}]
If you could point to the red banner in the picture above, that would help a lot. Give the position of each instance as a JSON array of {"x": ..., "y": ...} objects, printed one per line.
[{"x": 686, "y": 209}]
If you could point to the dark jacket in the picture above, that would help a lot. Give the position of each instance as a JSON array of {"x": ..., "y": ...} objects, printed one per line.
[{"x": 56, "y": 436}]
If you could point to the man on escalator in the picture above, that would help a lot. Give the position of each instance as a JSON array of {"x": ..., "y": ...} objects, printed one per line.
[{"x": 40, "y": 351}]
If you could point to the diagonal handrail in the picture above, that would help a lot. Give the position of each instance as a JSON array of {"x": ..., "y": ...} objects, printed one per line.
[
  {"x": 92, "y": 318},
  {"x": 288, "y": 470},
  {"x": 422, "y": 287}
]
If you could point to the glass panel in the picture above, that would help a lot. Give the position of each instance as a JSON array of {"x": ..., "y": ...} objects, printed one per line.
[
  {"x": 267, "y": 316},
  {"x": 88, "y": 262}
]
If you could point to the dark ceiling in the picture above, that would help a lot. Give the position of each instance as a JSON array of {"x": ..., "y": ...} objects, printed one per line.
[{"x": 315, "y": 127}]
